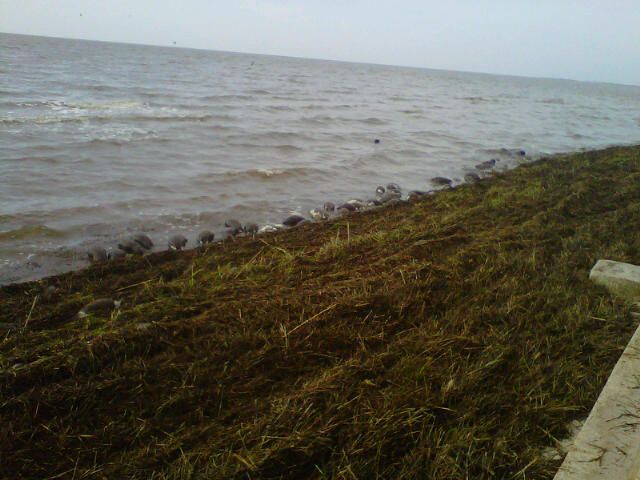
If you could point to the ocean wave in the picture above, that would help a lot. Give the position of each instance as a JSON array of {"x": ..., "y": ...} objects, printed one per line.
[
  {"x": 57, "y": 111},
  {"x": 411, "y": 152},
  {"x": 208, "y": 98},
  {"x": 186, "y": 117},
  {"x": 269, "y": 138},
  {"x": 48, "y": 160},
  {"x": 373, "y": 161},
  {"x": 158, "y": 117},
  {"x": 278, "y": 108},
  {"x": 102, "y": 88},
  {"x": 501, "y": 152},
  {"x": 105, "y": 133},
  {"x": 155, "y": 94},
  {"x": 321, "y": 120},
  {"x": 552, "y": 101},
  {"x": 479, "y": 99},
  {"x": 30, "y": 231},
  {"x": 580, "y": 136},
  {"x": 61, "y": 105},
  {"x": 284, "y": 148},
  {"x": 122, "y": 138},
  {"x": 35, "y": 216},
  {"x": 593, "y": 116},
  {"x": 263, "y": 174},
  {"x": 41, "y": 120},
  {"x": 373, "y": 121},
  {"x": 294, "y": 98},
  {"x": 338, "y": 91}
]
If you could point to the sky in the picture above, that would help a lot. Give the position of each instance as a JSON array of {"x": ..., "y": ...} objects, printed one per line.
[{"x": 593, "y": 40}]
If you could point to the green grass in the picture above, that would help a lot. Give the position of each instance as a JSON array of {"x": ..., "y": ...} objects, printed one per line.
[{"x": 455, "y": 337}]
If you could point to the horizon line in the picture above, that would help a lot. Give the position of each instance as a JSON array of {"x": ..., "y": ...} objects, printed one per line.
[{"x": 176, "y": 46}]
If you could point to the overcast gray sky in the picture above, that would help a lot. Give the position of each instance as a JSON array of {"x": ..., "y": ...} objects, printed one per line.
[{"x": 596, "y": 40}]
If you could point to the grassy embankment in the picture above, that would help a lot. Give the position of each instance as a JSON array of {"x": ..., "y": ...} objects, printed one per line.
[{"x": 452, "y": 338}]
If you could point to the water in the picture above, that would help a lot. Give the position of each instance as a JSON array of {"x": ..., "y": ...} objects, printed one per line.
[{"x": 99, "y": 140}]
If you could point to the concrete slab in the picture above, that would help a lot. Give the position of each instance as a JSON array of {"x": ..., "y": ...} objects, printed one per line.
[
  {"x": 608, "y": 446},
  {"x": 622, "y": 279}
]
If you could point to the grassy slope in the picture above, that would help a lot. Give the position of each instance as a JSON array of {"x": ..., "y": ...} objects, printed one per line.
[{"x": 452, "y": 338}]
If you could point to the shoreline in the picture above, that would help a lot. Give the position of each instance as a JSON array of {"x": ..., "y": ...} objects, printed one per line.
[
  {"x": 64, "y": 258},
  {"x": 454, "y": 335}
]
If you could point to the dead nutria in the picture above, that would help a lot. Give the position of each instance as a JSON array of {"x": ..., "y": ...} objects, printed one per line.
[
  {"x": 97, "y": 254},
  {"x": 177, "y": 242},
  {"x": 292, "y": 220},
  {"x": 143, "y": 240},
  {"x": 205, "y": 237},
  {"x": 101, "y": 306}
]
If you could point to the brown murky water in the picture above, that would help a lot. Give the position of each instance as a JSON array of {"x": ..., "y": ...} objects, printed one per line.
[{"x": 100, "y": 140}]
